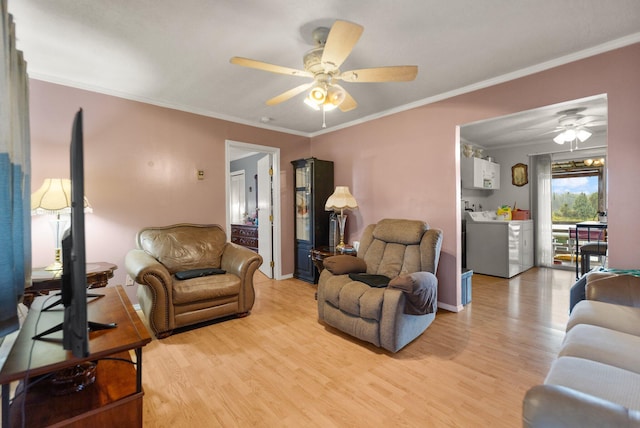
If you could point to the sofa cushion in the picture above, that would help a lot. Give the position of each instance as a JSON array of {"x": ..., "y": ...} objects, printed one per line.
[
  {"x": 608, "y": 315},
  {"x": 603, "y": 345},
  {"x": 600, "y": 380},
  {"x": 341, "y": 264},
  {"x": 184, "y": 247},
  {"x": 205, "y": 288},
  {"x": 404, "y": 232},
  {"x": 353, "y": 297},
  {"x": 391, "y": 259}
]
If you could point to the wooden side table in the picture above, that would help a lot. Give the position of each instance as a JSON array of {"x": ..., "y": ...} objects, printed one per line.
[{"x": 44, "y": 281}]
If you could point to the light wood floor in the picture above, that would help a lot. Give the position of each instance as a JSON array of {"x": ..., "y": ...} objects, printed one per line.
[{"x": 280, "y": 367}]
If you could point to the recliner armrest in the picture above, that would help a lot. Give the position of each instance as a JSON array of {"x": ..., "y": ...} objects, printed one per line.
[
  {"x": 559, "y": 406},
  {"x": 613, "y": 288}
]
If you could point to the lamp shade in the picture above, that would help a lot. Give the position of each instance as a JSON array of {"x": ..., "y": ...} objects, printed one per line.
[
  {"x": 54, "y": 197},
  {"x": 341, "y": 199}
]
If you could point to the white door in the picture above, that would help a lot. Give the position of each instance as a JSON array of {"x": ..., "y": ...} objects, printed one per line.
[{"x": 265, "y": 217}]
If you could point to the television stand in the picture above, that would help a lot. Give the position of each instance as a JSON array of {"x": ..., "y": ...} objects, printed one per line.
[
  {"x": 114, "y": 399},
  {"x": 93, "y": 326},
  {"x": 60, "y": 301}
]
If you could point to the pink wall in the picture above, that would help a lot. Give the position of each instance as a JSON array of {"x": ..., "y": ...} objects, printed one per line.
[
  {"x": 406, "y": 165},
  {"x": 140, "y": 168},
  {"x": 141, "y": 160}
]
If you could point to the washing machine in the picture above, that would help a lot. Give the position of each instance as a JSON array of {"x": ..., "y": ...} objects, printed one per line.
[{"x": 497, "y": 247}]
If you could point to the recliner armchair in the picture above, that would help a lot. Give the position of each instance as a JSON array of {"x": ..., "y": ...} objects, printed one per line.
[
  {"x": 405, "y": 250},
  {"x": 168, "y": 302}
]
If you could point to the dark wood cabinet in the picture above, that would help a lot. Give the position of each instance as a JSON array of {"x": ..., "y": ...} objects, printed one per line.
[
  {"x": 313, "y": 184},
  {"x": 245, "y": 235}
]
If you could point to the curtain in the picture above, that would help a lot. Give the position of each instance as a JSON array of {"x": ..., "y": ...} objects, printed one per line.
[
  {"x": 541, "y": 208},
  {"x": 15, "y": 171}
]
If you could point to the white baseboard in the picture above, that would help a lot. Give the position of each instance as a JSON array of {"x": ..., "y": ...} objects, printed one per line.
[{"x": 450, "y": 308}]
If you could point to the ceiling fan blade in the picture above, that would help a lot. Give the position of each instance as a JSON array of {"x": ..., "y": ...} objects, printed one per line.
[
  {"x": 348, "y": 103},
  {"x": 289, "y": 94},
  {"x": 265, "y": 66},
  {"x": 342, "y": 37},
  {"x": 595, "y": 123},
  {"x": 398, "y": 73}
]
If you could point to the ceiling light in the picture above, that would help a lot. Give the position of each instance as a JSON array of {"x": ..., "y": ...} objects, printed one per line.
[
  {"x": 583, "y": 135},
  {"x": 335, "y": 95},
  {"x": 571, "y": 135},
  {"x": 559, "y": 139},
  {"x": 317, "y": 94},
  {"x": 308, "y": 101}
]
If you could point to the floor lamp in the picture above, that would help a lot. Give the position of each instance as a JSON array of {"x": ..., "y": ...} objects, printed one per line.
[
  {"x": 340, "y": 200},
  {"x": 54, "y": 197}
]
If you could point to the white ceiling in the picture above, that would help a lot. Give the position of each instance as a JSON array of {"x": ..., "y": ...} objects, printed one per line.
[
  {"x": 176, "y": 54},
  {"x": 537, "y": 125}
]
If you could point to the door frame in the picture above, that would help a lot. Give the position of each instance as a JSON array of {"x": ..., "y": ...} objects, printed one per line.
[{"x": 276, "y": 208}]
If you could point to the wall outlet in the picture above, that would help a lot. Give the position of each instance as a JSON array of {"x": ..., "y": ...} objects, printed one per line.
[{"x": 128, "y": 280}]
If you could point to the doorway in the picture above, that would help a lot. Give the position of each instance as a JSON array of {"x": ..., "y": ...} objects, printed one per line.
[
  {"x": 261, "y": 205},
  {"x": 578, "y": 194},
  {"x": 521, "y": 137}
]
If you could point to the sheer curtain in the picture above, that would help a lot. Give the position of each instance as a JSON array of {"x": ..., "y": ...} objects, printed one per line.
[
  {"x": 541, "y": 208},
  {"x": 15, "y": 170}
]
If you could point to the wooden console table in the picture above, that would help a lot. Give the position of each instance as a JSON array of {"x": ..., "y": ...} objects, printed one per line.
[{"x": 114, "y": 399}]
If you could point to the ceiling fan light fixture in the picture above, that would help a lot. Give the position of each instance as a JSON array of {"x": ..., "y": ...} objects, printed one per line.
[
  {"x": 308, "y": 101},
  {"x": 559, "y": 139},
  {"x": 318, "y": 94},
  {"x": 570, "y": 135},
  {"x": 335, "y": 95},
  {"x": 583, "y": 135}
]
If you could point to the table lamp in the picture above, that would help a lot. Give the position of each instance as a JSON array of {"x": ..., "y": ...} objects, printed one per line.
[
  {"x": 340, "y": 200},
  {"x": 54, "y": 197}
]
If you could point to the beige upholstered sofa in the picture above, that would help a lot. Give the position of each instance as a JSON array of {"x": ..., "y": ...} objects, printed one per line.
[
  {"x": 169, "y": 302},
  {"x": 406, "y": 252},
  {"x": 595, "y": 382}
]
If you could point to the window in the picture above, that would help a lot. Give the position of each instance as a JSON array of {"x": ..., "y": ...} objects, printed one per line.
[
  {"x": 577, "y": 194},
  {"x": 576, "y": 188}
]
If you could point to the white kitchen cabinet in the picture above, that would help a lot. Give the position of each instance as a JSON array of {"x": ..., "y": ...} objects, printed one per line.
[{"x": 479, "y": 174}]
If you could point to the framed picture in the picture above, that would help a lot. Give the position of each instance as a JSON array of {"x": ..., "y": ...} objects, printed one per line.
[{"x": 519, "y": 174}]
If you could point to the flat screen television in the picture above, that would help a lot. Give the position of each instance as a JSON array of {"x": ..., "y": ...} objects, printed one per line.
[{"x": 75, "y": 326}]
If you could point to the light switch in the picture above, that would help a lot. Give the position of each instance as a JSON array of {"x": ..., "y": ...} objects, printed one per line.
[{"x": 200, "y": 174}]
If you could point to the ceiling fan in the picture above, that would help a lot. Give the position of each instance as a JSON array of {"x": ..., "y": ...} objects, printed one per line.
[
  {"x": 572, "y": 126},
  {"x": 322, "y": 65}
]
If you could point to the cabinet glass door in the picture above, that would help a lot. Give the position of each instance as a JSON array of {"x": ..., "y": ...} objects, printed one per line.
[{"x": 303, "y": 203}]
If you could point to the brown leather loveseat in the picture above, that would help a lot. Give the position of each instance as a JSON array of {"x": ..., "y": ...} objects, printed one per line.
[{"x": 190, "y": 250}]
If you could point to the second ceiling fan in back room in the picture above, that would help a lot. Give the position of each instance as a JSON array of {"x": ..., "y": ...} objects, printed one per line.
[
  {"x": 573, "y": 127},
  {"x": 322, "y": 65}
]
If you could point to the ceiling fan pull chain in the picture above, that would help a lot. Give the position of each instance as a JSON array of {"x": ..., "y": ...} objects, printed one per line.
[{"x": 324, "y": 123}]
